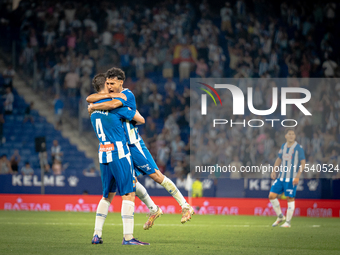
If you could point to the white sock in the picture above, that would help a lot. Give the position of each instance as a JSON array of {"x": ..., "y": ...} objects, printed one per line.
[
  {"x": 143, "y": 195},
  {"x": 174, "y": 191},
  {"x": 276, "y": 206},
  {"x": 290, "y": 211},
  {"x": 128, "y": 209},
  {"x": 102, "y": 210}
]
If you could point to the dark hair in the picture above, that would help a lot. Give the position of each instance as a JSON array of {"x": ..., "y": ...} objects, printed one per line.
[
  {"x": 289, "y": 129},
  {"x": 98, "y": 82},
  {"x": 115, "y": 72}
]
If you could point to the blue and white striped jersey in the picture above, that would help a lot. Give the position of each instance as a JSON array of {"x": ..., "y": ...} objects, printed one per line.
[
  {"x": 131, "y": 130},
  {"x": 110, "y": 133},
  {"x": 290, "y": 160}
]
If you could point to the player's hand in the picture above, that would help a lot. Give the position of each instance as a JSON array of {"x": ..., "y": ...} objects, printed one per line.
[
  {"x": 89, "y": 109},
  {"x": 273, "y": 175},
  {"x": 296, "y": 181},
  {"x": 120, "y": 95}
]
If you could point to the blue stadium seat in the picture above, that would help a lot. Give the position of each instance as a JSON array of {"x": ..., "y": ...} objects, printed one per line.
[{"x": 22, "y": 136}]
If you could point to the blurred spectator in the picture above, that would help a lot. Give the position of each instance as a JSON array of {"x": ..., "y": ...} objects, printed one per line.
[
  {"x": 71, "y": 83},
  {"x": 28, "y": 116},
  {"x": 184, "y": 55},
  {"x": 106, "y": 39},
  {"x": 330, "y": 10},
  {"x": 85, "y": 88},
  {"x": 168, "y": 68},
  {"x": 43, "y": 161},
  {"x": 268, "y": 146},
  {"x": 177, "y": 145},
  {"x": 163, "y": 154},
  {"x": 8, "y": 75},
  {"x": 197, "y": 188},
  {"x": 15, "y": 160},
  {"x": 201, "y": 68},
  {"x": 91, "y": 171},
  {"x": 226, "y": 16},
  {"x": 5, "y": 165},
  {"x": 58, "y": 111},
  {"x": 305, "y": 68},
  {"x": 236, "y": 164},
  {"x": 27, "y": 169},
  {"x": 86, "y": 65},
  {"x": 179, "y": 169},
  {"x": 312, "y": 164},
  {"x": 9, "y": 100},
  {"x": 216, "y": 70},
  {"x": 71, "y": 41},
  {"x": 49, "y": 36},
  {"x": 125, "y": 60},
  {"x": 139, "y": 62},
  {"x": 56, "y": 152},
  {"x": 151, "y": 60},
  {"x": 150, "y": 130},
  {"x": 170, "y": 85},
  {"x": 27, "y": 58},
  {"x": 2, "y": 121},
  {"x": 258, "y": 98},
  {"x": 329, "y": 67},
  {"x": 57, "y": 167},
  {"x": 155, "y": 99}
]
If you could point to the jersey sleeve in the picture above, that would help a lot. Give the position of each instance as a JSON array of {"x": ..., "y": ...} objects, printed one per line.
[
  {"x": 103, "y": 100},
  {"x": 301, "y": 154},
  {"x": 121, "y": 99},
  {"x": 126, "y": 113},
  {"x": 130, "y": 99},
  {"x": 280, "y": 152}
]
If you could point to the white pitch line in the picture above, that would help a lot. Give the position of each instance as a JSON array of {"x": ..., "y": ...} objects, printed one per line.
[
  {"x": 161, "y": 225},
  {"x": 120, "y": 224}
]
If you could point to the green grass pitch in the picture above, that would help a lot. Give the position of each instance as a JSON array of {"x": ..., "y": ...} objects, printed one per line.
[{"x": 71, "y": 233}]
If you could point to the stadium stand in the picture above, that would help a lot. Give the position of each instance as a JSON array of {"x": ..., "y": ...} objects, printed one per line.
[
  {"x": 21, "y": 136},
  {"x": 235, "y": 39}
]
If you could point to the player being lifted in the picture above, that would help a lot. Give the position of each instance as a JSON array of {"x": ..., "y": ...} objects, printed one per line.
[
  {"x": 292, "y": 158},
  {"x": 142, "y": 159},
  {"x": 115, "y": 165}
]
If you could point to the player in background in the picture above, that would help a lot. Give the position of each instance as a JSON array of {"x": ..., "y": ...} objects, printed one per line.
[
  {"x": 143, "y": 161},
  {"x": 292, "y": 160},
  {"x": 115, "y": 165}
]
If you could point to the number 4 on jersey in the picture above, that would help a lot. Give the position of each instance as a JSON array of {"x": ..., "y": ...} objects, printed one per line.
[{"x": 100, "y": 132}]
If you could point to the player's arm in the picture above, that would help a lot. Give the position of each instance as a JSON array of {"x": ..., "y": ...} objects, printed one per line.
[
  {"x": 297, "y": 177},
  {"x": 138, "y": 118},
  {"x": 99, "y": 96},
  {"x": 276, "y": 166},
  {"x": 130, "y": 115},
  {"x": 132, "y": 100},
  {"x": 105, "y": 106}
]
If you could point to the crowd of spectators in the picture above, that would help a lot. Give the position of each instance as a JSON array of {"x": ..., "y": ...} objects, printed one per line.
[
  {"x": 243, "y": 145},
  {"x": 50, "y": 162},
  {"x": 70, "y": 42}
]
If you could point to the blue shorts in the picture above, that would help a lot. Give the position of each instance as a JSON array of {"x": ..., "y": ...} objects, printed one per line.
[
  {"x": 118, "y": 174},
  {"x": 142, "y": 159},
  {"x": 281, "y": 186}
]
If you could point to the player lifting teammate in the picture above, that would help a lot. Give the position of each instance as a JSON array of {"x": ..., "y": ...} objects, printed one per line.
[
  {"x": 142, "y": 159},
  {"x": 115, "y": 165}
]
